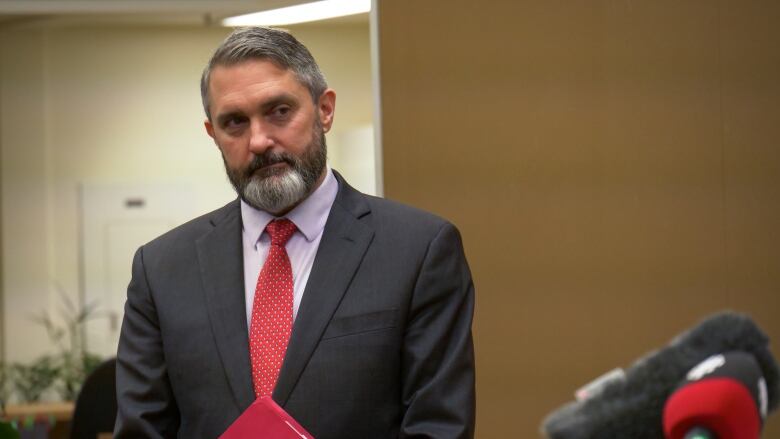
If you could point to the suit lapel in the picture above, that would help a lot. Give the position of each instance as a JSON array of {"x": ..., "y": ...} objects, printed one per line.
[
  {"x": 343, "y": 245},
  {"x": 220, "y": 256}
]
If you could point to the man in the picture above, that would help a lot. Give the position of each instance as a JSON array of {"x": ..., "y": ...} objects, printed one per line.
[{"x": 352, "y": 311}]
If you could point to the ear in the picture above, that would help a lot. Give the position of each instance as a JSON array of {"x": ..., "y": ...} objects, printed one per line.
[
  {"x": 327, "y": 107},
  {"x": 209, "y": 129}
]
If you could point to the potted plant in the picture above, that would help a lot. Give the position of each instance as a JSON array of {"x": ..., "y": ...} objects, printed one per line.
[
  {"x": 31, "y": 380},
  {"x": 72, "y": 363}
]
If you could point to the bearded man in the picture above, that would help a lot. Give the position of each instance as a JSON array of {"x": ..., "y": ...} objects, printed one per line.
[{"x": 352, "y": 312}]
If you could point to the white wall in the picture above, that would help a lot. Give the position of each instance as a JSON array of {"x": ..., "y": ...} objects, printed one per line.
[{"x": 117, "y": 105}]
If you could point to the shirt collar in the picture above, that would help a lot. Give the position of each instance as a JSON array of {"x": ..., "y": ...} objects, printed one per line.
[{"x": 309, "y": 216}]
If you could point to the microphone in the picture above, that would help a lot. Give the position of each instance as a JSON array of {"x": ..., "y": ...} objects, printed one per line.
[
  {"x": 630, "y": 403},
  {"x": 724, "y": 396}
]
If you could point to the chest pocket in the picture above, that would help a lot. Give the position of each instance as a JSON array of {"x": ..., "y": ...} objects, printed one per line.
[{"x": 358, "y": 324}]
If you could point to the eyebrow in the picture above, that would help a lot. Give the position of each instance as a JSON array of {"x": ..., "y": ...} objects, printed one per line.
[{"x": 282, "y": 98}]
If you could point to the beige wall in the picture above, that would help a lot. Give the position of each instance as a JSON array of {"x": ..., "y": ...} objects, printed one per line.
[
  {"x": 612, "y": 165},
  {"x": 25, "y": 260},
  {"x": 116, "y": 105}
]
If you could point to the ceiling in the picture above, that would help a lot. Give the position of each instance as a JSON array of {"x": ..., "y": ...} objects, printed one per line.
[{"x": 45, "y": 13}]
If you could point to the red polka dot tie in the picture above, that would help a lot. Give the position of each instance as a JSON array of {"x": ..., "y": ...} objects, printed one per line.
[{"x": 272, "y": 310}]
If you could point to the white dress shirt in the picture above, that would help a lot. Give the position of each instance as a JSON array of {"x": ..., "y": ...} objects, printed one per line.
[{"x": 309, "y": 217}]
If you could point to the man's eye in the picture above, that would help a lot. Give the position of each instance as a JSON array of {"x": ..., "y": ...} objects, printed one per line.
[
  {"x": 281, "y": 111},
  {"x": 233, "y": 122}
]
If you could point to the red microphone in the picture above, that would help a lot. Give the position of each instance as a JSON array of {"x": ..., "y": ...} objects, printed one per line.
[{"x": 723, "y": 397}]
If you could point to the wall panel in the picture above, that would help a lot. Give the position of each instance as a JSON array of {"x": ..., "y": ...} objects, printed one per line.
[{"x": 612, "y": 165}]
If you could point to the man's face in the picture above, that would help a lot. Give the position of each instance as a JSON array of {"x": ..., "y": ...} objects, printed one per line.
[{"x": 270, "y": 133}]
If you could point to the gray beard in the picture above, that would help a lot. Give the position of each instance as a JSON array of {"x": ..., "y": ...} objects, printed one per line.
[
  {"x": 275, "y": 193},
  {"x": 276, "y": 190}
]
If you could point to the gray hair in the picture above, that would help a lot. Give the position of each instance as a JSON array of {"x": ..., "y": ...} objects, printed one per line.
[{"x": 262, "y": 43}]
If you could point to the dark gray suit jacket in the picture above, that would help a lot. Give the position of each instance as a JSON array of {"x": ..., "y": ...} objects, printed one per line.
[{"x": 381, "y": 346}]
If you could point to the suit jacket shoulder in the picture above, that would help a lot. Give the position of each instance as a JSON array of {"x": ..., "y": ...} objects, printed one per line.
[{"x": 384, "y": 215}]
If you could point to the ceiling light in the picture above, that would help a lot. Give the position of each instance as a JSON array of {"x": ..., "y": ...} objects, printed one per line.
[{"x": 314, "y": 11}]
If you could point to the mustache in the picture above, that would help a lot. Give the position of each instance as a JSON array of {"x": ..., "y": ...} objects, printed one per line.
[{"x": 268, "y": 158}]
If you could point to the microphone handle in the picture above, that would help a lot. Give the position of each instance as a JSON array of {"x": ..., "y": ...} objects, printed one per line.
[{"x": 700, "y": 433}]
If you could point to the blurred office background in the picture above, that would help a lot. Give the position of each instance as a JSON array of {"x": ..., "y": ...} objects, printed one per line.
[{"x": 613, "y": 165}]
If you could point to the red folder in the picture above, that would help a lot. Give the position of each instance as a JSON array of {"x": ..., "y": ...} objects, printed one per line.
[{"x": 265, "y": 419}]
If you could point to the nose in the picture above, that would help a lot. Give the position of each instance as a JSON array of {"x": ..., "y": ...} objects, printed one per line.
[{"x": 260, "y": 137}]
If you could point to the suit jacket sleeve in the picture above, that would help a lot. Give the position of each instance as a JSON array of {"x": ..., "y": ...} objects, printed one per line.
[
  {"x": 438, "y": 356},
  {"x": 146, "y": 407}
]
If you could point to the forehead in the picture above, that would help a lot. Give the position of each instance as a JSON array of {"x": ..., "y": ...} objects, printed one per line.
[{"x": 252, "y": 79}]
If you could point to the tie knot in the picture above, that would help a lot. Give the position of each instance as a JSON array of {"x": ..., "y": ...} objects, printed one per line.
[{"x": 280, "y": 231}]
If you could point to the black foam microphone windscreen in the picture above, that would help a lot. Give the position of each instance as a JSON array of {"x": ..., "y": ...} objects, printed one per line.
[{"x": 630, "y": 405}]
